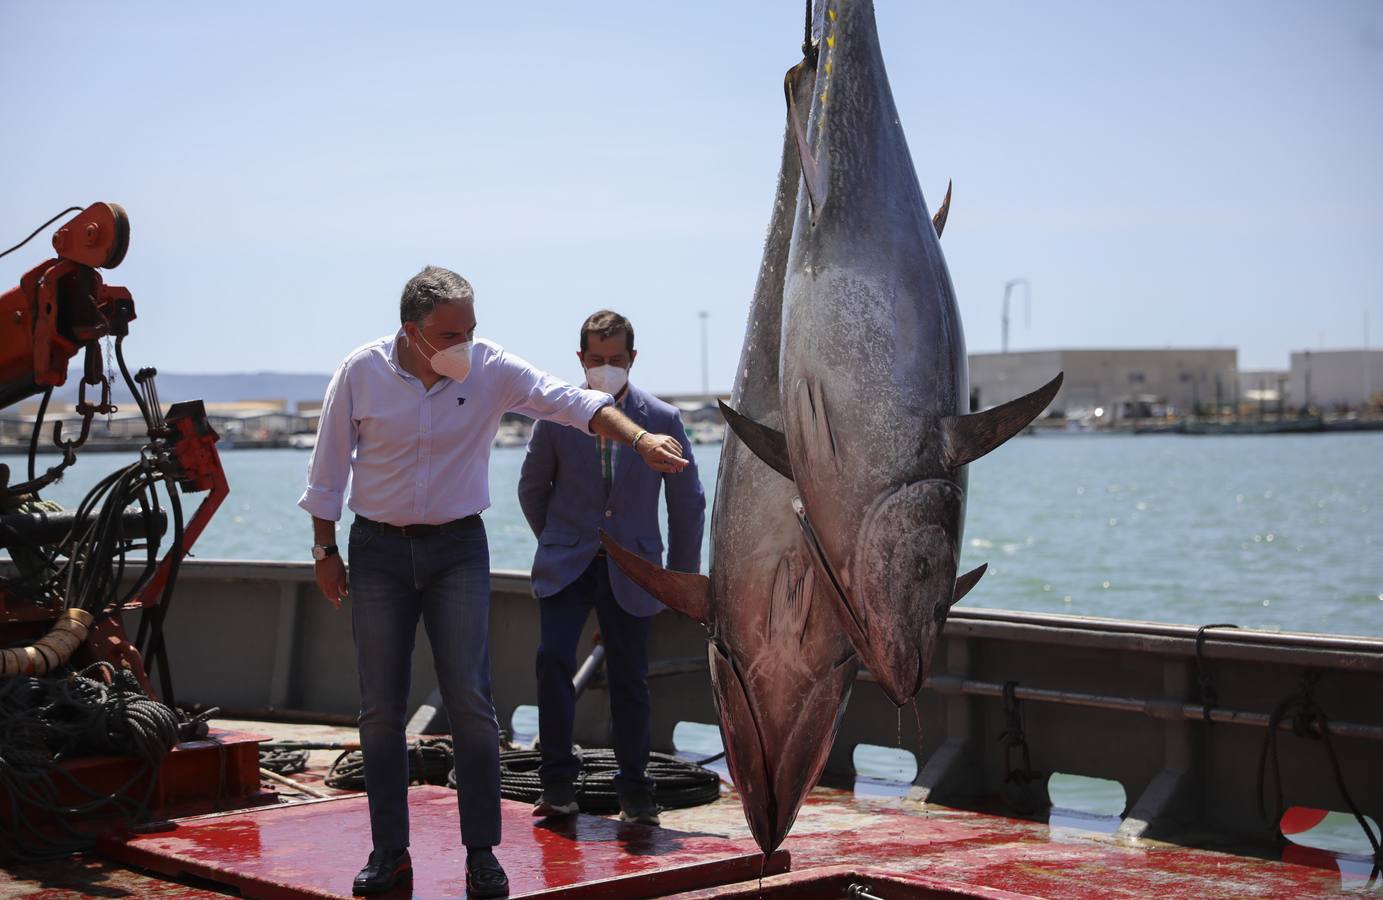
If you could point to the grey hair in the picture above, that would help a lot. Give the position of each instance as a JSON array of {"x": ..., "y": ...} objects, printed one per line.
[{"x": 429, "y": 287}]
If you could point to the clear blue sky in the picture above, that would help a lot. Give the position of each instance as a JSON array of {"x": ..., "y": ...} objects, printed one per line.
[{"x": 1171, "y": 173}]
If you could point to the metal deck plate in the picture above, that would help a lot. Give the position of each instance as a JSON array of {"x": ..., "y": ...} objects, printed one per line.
[{"x": 314, "y": 850}]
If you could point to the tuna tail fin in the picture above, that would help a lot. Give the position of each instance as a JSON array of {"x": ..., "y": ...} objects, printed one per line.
[
  {"x": 813, "y": 169},
  {"x": 970, "y": 437},
  {"x": 767, "y": 444},
  {"x": 939, "y": 219},
  {"x": 963, "y": 585},
  {"x": 688, "y": 593}
]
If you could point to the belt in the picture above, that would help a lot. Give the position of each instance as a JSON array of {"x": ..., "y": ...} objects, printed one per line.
[{"x": 414, "y": 531}]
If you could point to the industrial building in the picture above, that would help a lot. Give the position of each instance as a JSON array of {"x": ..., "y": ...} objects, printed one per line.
[
  {"x": 1119, "y": 383},
  {"x": 1336, "y": 380}
]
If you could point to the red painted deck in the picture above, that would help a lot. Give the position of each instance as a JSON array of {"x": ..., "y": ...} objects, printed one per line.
[
  {"x": 900, "y": 849},
  {"x": 314, "y": 850},
  {"x": 905, "y": 851}
]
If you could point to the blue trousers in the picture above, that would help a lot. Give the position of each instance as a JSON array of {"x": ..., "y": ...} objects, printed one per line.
[
  {"x": 625, "y": 637},
  {"x": 444, "y": 578}
]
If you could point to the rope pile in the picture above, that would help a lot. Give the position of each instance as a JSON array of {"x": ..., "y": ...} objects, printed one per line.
[
  {"x": 282, "y": 760},
  {"x": 677, "y": 782},
  {"x": 44, "y": 721},
  {"x": 429, "y": 762}
]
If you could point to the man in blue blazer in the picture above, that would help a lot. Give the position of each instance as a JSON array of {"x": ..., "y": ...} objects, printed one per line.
[{"x": 573, "y": 485}]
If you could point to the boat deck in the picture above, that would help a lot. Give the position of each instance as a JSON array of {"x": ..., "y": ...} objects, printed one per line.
[{"x": 305, "y": 846}]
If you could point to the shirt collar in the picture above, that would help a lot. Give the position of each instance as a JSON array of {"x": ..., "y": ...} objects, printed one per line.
[{"x": 393, "y": 355}]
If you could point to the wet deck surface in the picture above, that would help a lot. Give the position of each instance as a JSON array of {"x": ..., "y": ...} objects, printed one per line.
[{"x": 895, "y": 840}]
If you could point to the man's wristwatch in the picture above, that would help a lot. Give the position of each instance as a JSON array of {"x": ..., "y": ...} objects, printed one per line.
[{"x": 322, "y": 551}]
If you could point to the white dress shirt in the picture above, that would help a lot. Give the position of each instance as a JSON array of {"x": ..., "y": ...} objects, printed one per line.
[{"x": 418, "y": 456}]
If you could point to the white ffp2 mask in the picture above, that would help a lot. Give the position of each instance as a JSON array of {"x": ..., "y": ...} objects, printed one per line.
[
  {"x": 610, "y": 379},
  {"x": 453, "y": 362}
]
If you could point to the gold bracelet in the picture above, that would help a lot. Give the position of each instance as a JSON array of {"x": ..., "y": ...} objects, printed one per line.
[{"x": 634, "y": 444}]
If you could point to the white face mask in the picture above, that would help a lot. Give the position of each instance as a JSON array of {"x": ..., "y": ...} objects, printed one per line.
[
  {"x": 610, "y": 379},
  {"x": 453, "y": 362}
]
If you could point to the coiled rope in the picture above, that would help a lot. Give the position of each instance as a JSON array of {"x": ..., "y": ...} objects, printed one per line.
[
  {"x": 44, "y": 721},
  {"x": 677, "y": 782},
  {"x": 429, "y": 762}
]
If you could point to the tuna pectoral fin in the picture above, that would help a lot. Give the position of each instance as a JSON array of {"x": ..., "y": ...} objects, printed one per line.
[
  {"x": 768, "y": 445},
  {"x": 689, "y": 594},
  {"x": 853, "y": 625},
  {"x": 939, "y": 219},
  {"x": 970, "y": 437},
  {"x": 963, "y": 585},
  {"x": 813, "y": 170}
]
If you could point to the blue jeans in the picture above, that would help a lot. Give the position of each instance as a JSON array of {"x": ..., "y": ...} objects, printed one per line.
[
  {"x": 625, "y": 637},
  {"x": 445, "y": 578}
]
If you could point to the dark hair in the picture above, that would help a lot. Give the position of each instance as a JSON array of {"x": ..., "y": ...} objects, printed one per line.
[
  {"x": 608, "y": 324},
  {"x": 429, "y": 287}
]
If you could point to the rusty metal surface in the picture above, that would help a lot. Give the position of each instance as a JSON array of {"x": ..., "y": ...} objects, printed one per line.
[
  {"x": 91, "y": 876},
  {"x": 314, "y": 849}
]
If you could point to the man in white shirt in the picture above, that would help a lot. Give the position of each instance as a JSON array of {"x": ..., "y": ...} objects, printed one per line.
[{"x": 409, "y": 419}]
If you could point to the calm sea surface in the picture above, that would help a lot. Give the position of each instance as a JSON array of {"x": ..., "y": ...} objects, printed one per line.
[{"x": 1282, "y": 531}]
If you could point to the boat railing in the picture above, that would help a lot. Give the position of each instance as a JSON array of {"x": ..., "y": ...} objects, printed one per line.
[{"x": 1177, "y": 715}]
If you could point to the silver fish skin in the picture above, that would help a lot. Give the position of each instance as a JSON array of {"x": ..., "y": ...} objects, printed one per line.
[
  {"x": 781, "y": 668},
  {"x": 874, "y": 377}
]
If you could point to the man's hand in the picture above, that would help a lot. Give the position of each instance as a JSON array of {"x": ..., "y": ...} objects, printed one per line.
[
  {"x": 662, "y": 452},
  {"x": 331, "y": 578}
]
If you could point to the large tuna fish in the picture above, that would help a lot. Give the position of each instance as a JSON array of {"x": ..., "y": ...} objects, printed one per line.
[
  {"x": 781, "y": 668},
  {"x": 874, "y": 383}
]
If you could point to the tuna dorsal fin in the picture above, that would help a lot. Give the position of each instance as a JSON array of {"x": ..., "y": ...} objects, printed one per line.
[
  {"x": 813, "y": 169},
  {"x": 970, "y": 437},
  {"x": 963, "y": 585},
  {"x": 685, "y": 592},
  {"x": 768, "y": 445},
  {"x": 939, "y": 219}
]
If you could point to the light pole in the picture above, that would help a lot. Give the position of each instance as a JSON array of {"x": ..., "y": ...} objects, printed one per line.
[
  {"x": 705, "y": 363},
  {"x": 1027, "y": 304}
]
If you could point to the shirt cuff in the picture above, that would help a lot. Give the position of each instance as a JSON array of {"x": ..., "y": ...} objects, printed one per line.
[
  {"x": 322, "y": 503},
  {"x": 590, "y": 403}
]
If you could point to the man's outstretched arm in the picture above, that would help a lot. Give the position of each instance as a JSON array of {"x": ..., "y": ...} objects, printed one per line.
[{"x": 661, "y": 451}]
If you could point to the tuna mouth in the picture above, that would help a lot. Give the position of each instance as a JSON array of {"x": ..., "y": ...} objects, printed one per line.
[{"x": 903, "y": 574}]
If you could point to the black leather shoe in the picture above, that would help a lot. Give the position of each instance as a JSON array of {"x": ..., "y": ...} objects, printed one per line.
[
  {"x": 485, "y": 876},
  {"x": 385, "y": 869}
]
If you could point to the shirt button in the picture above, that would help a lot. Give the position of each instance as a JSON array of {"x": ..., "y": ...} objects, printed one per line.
[{"x": 609, "y": 513}]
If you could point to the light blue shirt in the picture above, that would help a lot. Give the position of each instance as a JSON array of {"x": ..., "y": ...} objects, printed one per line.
[{"x": 415, "y": 456}]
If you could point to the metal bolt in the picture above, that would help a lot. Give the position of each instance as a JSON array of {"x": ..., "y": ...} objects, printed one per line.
[
  {"x": 18, "y": 316},
  {"x": 93, "y": 234}
]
